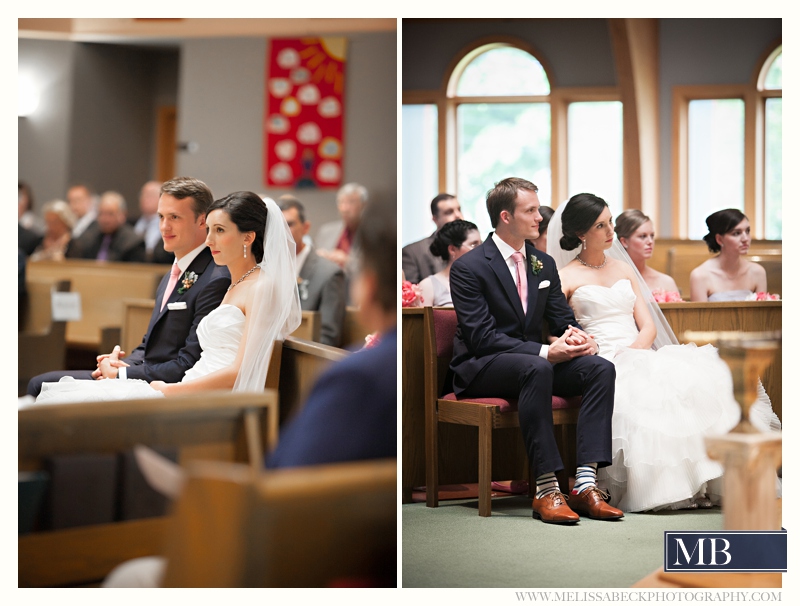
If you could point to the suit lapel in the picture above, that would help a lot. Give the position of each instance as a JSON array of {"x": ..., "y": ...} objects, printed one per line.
[
  {"x": 533, "y": 284},
  {"x": 199, "y": 265},
  {"x": 499, "y": 267}
]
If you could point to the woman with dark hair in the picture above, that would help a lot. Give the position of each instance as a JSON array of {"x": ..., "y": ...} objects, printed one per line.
[
  {"x": 249, "y": 236},
  {"x": 728, "y": 276},
  {"x": 667, "y": 396},
  {"x": 540, "y": 243},
  {"x": 635, "y": 232},
  {"x": 452, "y": 240}
]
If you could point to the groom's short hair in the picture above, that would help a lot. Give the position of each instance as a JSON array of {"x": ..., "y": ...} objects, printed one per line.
[
  {"x": 504, "y": 196},
  {"x": 189, "y": 187}
]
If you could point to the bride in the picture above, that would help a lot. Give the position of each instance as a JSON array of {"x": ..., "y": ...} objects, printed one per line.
[
  {"x": 668, "y": 396},
  {"x": 250, "y": 236}
]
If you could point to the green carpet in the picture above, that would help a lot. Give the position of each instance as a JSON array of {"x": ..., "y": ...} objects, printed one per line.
[{"x": 451, "y": 546}]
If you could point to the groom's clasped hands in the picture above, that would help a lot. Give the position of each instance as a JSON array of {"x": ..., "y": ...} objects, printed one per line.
[{"x": 572, "y": 344}]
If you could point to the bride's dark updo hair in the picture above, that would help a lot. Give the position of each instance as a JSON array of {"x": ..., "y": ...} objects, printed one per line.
[
  {"x": 579, "y": 215},
  {"x": 454, "y": 232},
  {"x": 720, "y": 223},
  {"x": 249, "y": 213}
]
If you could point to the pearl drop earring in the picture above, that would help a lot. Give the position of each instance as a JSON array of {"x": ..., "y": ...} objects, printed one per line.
[{"x": 244, "y": 246}]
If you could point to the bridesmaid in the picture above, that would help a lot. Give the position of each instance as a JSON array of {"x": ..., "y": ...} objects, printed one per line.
[
  {"x": 540, "y": 243},
  {"x": 452, "y": 240},
  {"x": 728, "y": 276},
  {"x": 635, "y": 232}
]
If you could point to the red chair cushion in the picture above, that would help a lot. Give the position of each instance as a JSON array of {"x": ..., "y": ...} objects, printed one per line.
[
  {"x": 511, "y": 404},
  {"x": 445, "y": 323}
]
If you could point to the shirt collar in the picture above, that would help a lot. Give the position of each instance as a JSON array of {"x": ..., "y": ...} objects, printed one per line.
[
  {"x": 505, "y": 249},
  {"x": 187, "y": 259}
]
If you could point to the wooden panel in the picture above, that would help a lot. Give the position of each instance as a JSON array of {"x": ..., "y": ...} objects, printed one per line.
[
  {"x": 748, "y": 316},
  {"x": 661, "y": 250},
  {"x": 103, "y": 287},
  {"x": 48, "y": 559},
  {"x": 353, "y": 332},
  {"x": 233, "y": 530},
  {"x": 309, "y": 327},
  {"x": 135, "y": 320},
  {"x": 302, "y": 362}
]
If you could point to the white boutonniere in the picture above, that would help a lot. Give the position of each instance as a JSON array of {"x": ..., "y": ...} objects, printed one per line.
[
  {"x": 188, "y": 279},
  {"x": 302, "y": 287},
  {"x": 536, "y": 265}
]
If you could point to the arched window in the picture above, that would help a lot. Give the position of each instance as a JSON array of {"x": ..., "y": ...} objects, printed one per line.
[
  {"x": 498, "y": 114},
  {"x": 770, "y": 99}
]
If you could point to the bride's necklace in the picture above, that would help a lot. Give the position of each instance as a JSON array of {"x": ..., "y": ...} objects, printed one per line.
[
  {"x": 601, "y": 266},
  {"x": 251, "y": 270}
]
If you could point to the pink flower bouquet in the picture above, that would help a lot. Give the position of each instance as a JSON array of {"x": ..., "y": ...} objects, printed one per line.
[
  {"x": 667, "y": 296},
  {"x": 412, "y": 295}
]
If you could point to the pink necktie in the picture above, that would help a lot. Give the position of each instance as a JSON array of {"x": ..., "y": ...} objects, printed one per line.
[
  {"x": 173, "y": 280},
  {"x": 522, "y": 279}
]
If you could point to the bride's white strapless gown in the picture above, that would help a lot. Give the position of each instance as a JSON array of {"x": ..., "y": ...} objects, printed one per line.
[
  {"x": 665, "y": 402},
  {"x": 219, "y": 334}
]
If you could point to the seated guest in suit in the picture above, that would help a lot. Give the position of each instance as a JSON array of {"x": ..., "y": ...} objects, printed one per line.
[
  {"x": 635, "y": 232},
  {"x": 170, "y": 346},
  {"x": 418, "y": 261},
  {"x": 336, "y": 239},
  {"x": 59, "y": 220},
  {"x": 351, "y": 413},
  {"x": 27, "y": 240},
  {"x": 540, "y": 243},
  {"x": 147, "y": 224},
  {"x": 111, "y": 239},
  {"x": 320, "y": 282},
  {"x": 83, "y": 203},
  {"x": 728, "y": 276},
  {"x": 450, "y": 242}
]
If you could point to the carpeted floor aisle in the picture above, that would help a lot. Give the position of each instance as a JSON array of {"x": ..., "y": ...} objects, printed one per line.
[{"x": 451, "y": 546}]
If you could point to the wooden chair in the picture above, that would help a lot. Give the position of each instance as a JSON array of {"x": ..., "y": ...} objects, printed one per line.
[
  {"x": 135, "y": 320},
  {"x": 487, "y": 414},
  {"x": 353, "y": 332},
  {"x": 221, "y": 426},
  {"x": 42, "y": 342},
  {"x": 323, "y": 526}
]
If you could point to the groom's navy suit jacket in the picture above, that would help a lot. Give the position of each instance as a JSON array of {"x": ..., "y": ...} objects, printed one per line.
[
  {"x": 171, "y": 347},
  {"x": 490, "y": 316}
]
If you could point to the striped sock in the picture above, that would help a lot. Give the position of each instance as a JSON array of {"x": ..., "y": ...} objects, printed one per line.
[
  {"x": 545, "y": 484},
  {"x": 585, "y": 477}
]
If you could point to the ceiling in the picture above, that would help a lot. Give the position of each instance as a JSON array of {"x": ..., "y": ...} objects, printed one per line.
[{"x": 171, "y": 31}]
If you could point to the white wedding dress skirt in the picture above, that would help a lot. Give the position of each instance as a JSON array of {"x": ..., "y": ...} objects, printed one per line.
[
  {"x": 219, "y": 333},
  {"x": 666, "y": 402}
]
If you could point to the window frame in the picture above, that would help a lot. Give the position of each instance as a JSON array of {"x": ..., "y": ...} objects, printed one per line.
[
  {"x": 447, "y": 102},
  {"x": 754, "y": 97}
]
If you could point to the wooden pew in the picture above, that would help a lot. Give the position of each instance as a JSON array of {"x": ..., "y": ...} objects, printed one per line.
[
  {"x": 103, "y": 286},
  {"x": 41, "y": 344},
  {"x": 301, "y": 363},
  {"x": 303, "y": 527},
  {"x": 309, "y": 327},
  {"x": 681, "y": 262},
  {"x": 221, "y": 426}
]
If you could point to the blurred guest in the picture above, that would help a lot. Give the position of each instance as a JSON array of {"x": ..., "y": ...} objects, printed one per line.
[
  {"x": 82, "y": 201},
  {"x": 112, "y": 239},
  {"x": 728, "y": 276},
  {"x": 320, "y": 282},
  {"x": 636, "y": 234},
  {"x": 147, "y": 224},
  {"x": 27, "y": 240},
  {"x": 27, "y": 217},
  {"x": 540, "y": 243},
  {"x": 59, "y": 220},
  {"x": 418, "y": 261},
  {"x": 450, "y": 242},
  {"x": 336, "y": 239},
  {"x": 22, "y": 289}
]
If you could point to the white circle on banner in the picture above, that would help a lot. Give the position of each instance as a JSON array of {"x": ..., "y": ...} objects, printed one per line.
[
  {"x": 328, "y": 171},
  {"x": 309, "y": 133},
  {"x": 288, "y": 58},
  {"x": 277, "y": 124},
  {"x": 286, "y": 149},
  {"x": 281, "y": 173},
  {"x": 308, "y": 94},
  {"x": 329, "y": 107},
  {"x": 279, "y": 87}
]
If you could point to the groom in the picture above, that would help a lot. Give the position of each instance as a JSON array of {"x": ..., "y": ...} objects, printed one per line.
[
  {"x": 194, "y": 287},
  {"x": 502, "y": 292}
]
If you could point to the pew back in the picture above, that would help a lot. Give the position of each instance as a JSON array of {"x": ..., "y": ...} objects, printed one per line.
[
  {"x": 231, "y": 530},
  {"x": 221, "y": 426},
  {"x": 659, "y": 260},
  {"x": 102, "y": 287}
]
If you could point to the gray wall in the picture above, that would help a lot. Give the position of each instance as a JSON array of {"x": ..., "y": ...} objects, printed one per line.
[
  {"x": 691, "y": 51},
  {"x": 221, "y": 93},
  {"x": 43, "y": 138}
]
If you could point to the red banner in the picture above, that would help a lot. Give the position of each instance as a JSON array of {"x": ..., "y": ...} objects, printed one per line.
[{"x": 304, "y": 126}]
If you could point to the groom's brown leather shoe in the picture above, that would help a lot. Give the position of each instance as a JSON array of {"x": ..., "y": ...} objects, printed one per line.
[
  {"x": 552, "y": 508},
  {"x": 592, "y": 502}
]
